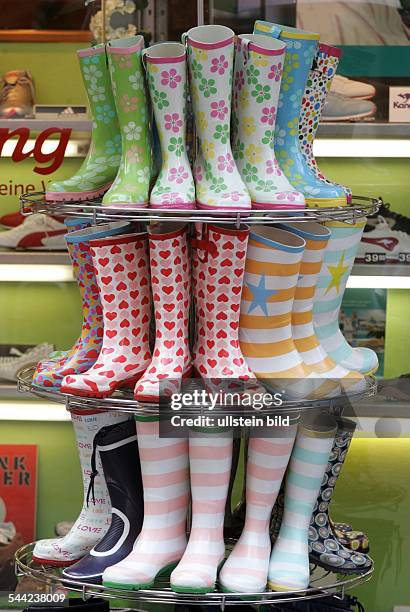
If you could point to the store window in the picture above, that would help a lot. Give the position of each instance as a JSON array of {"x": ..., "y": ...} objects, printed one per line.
[{"x": 204, "y": 296}]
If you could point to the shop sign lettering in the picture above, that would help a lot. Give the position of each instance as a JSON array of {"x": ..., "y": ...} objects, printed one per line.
[{"x": 52, "y": 160}]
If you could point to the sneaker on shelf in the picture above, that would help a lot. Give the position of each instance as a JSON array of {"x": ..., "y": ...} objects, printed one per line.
[
  {"x": 16, "y": 95},
  {"x": 12, "y": 219},
  {"x": 37, "y": 232},
  {"x": 395, "y": 388},
  {"x": 352, "y": 89},
  {"x": 17, "y": 361},
  {"x": 381, "y": 244},
  {"x": 62, "y": 528},
  {"x": 340, "y": 108},
  {"x": 395, "y": 220}
]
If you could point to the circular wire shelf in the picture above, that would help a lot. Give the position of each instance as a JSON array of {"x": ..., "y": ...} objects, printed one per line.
[
  {"x": 323, "y": 583},
  {"x": 361, "y": 206},
  {"x": 124, "y": 401}
]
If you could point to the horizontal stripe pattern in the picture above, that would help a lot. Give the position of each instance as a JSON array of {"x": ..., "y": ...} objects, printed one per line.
[{"x": 289, "y": 562}]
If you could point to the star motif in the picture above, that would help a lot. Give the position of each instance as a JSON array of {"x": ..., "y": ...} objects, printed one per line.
[
  {"x": 336, "y": 273},
  {"x": 260, "y": 295}
]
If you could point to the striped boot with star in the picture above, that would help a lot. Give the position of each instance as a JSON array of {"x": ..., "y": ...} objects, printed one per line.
[
  {"x": 122, "y": 273},
  {"x": 271, "y": 275},
  {"x": 337, "y": 266},
  {"x": 306, "y": 342},
  {"x": 170, "y": 283}
]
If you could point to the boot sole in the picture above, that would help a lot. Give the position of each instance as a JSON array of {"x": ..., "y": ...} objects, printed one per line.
[
  {"x": 340, "y": 570},
  {"x": 125, "y": 384},
  {"x": 146, "y": 585},
  {"x": 53, "y": 562},
  {"x": 69, "y": 196}
]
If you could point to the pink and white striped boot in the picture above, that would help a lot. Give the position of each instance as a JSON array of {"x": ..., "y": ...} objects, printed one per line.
[
  {"x": 246, "y": 569},
  {"x": 162, "y": 541},
  {"x": 122, "y": 273},
  {"x": 170, "y": 281},
  {"x": 210, "y": 457},
  {"x": 218, "y": 271}
]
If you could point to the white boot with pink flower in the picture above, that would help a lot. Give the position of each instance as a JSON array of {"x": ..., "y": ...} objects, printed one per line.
[
  {"x": 166, "y": 70},
  {"x": 258, "y": 75},
  {"x": 210, "y": 59}
]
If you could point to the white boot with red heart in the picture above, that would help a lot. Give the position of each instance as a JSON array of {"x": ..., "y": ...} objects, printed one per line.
[
  {"x": 122, "y": 272},
  {"x": 170, "y": 281},
  {"x": 218, "y": 271}
]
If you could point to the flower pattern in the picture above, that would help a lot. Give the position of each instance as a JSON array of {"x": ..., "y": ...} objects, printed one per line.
[
  {"x": 207, "y": 87},
  {"x": 104, "y": 113},
  {"x": 128, "y": 103},
  {"x": 219, "y": 64},
  {"x": 132, "y": 131},
  {"x": 226, "y": 162},
  {"x": 269, "y": 115},
  {"x": 275, "y": 72},
  {"x": 178, "y": 175},
  {"x": 176, "y": 145},
  {"x": 222, "y": 133},
  {"x": 173, "y": 122},
  {"x": 170, "y": 78},
  {"x": 261, "y": 93},
  {"x": 219, "y": 110}
]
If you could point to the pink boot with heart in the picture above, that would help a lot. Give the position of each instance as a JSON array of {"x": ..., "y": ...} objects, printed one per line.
[
  {"x": 122, "y": 272},
  {"x": 170, "y": 281},
  {"x": 218, "y": 272}
]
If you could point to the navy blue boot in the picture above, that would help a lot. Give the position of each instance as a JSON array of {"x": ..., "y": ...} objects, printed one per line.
[{"x": 118, "y": 449}]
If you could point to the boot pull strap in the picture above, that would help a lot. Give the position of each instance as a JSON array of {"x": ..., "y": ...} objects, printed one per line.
[
  {"x": 94, "y": 471},
  {"x": 143, "y": 59},
  {"x": 244, "y": 45},
  {"x": 204, "y": 244}
]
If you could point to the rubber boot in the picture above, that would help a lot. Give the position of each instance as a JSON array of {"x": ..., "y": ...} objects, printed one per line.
[
  {"x": 170, "y": 281},
  {"x": 229, "y": 528},
  {"x": 337, "y": 266},
  {"x": 303, "y": 333},
  {"x": 246, "y": 569},
  {"x": 58, "y": 358},
  {"x": 272, "y": 270},
  {"x": 118, "y": 450},
  {"x": 210, "y": 456},
  {"x": 320, "y": 78},
  {"x": 301, "y": 48},
  {"x": 162, "y": 541},
  {"x": 131, "y": 185},
  {"x": 95, "y": 518},
  {"x": 325, "y": 549},
  {"x": 84, "y": 353},
  {"x": 289, "y": 562},
  {"x": 101, "y": 164},
  {"x": 258, "y": 74},
  {"x": 210, "y": 60},
  {"x": 167, "y": 80},
  {"x": 122, "y": 273},
  {"x": 218, "y": 261}
]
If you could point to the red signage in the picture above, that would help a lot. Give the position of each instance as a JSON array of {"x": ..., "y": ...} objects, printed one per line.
[
  {"x": 53, "y": 159},
  {"x": 18, "y": 487}
]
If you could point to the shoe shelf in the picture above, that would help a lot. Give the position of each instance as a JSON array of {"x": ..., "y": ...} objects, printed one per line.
[
  {"x": 38, "y": 125},
  {"x": 34, "y": 258},
  {"x": 363, "y": 129},
  {"x": 381, "y": 269},
  {"x": 360, "y": 207},
  {"x": 125, "y": 402},
  {"x": 322, "y": 584}
]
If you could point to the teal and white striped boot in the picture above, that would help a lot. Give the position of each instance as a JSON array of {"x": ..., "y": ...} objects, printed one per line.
[
  {"x": 100, "y": 167},
  {"x": 336, "y": 268},
  {"x": 289, "y": 562},
  {"x": 301, "y": 48}
]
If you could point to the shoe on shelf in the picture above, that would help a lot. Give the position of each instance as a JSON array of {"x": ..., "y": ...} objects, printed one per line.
[
  {"x": 38, "y": 233},
  {"x": 395, "y": 220},
  {"x": 12, "y": 219},
  {"x": 16, "y": 95},
  {"x": 341, "y": 108},
  {"x": 17, "y": 361},
  {"x": 381, "y": 244},
  {"x": 352, "y": 89}
]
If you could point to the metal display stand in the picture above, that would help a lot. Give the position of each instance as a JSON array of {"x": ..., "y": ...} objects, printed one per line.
[{"x": 323, "y": 583}]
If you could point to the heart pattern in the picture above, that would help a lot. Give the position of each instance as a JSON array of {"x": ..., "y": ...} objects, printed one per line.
[
  {"x": 171, "y": 357},
  {"x": 125, "y": 318},
  {"x": 87, "y": 347},
  {"x": 216, "y": 351}
]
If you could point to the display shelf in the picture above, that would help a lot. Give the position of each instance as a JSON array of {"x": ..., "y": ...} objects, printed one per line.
[
  {"x": 38, "y": 125},
  {"x": 360, "y": 207},
  {"x": 34, "y": 258},
  {"x": 369, "y": 129},
  {"x": 123, "y": 401},
  {"x": 10, "y": 390},
  {"x": 381, "y": 269},
  {"x": 322, "y": 584}
]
